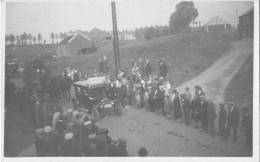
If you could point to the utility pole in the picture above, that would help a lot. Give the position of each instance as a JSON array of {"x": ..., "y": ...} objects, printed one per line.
[{"x": 115, "y": 38}]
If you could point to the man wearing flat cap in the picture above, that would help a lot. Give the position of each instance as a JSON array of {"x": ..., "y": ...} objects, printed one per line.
[
  {"x": 39, "y": 142},
  {"x": 232, "y": 120}
]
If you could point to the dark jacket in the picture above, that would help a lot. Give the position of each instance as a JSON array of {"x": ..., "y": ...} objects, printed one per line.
[
  {"x": 233, "y": 117},
  {"x": 40, "y": 146},
  {"x": 222, "y": 117},
  {"x": 203, "y": 108},
  {"x": 211, "y": 111},
  {"x": 177, "y": 107},
  {"x": 70, "y": 148}
]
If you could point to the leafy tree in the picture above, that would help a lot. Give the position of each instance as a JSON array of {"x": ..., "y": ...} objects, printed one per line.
[
  {"x": 17, "y": 38},
  {"x": 23, "y": 38},
  {"x": 180, "y": 19},
  {"x": 52, "y": 37},
  {"x": 30, "y": 38},
  {"x": 39, "y": 37},
  {"x": 12, "y": 38},
  {"x": 57, "y": 37},
  {"x": 7, "y": 39},
  {"x": 61, "y": 36},
  {"x": 34, "y": 39}
]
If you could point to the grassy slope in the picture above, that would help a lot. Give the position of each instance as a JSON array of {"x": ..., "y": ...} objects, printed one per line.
[
  {"x": 187, "y": 54},
  {"x": 241, "y": 86}
]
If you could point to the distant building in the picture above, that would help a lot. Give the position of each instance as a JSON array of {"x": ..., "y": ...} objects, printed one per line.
[
  {"x": 246, "y": 24},
  {"x": 217, "y": 24},
  {"x": 127, "y": 36},
  {"x": 75, "y": 44}
]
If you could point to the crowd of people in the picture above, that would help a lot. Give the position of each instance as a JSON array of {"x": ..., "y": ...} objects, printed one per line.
[
  {"x": 72, "y": 132},
  {"x": 157, "y": 94}
]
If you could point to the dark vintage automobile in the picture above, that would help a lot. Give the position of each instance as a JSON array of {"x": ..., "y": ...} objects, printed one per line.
[{"x": 91, "y": 97}]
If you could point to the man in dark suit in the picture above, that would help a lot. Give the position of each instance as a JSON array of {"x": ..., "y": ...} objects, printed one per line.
[
  {"x": 163, "y": 70},
  {"x": 232, "y": 121},
  {"x": 247, "y": 121},
  {"x": 203, "y": 113},
  {"x": 222, "y": 118},
  {"x": 122, "y": 94}
]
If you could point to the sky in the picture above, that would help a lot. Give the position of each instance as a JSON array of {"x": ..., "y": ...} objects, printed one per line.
[{"x": 46, "y": 17}]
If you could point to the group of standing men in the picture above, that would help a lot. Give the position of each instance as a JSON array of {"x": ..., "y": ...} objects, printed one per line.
[{"x": 156, "y": 94}]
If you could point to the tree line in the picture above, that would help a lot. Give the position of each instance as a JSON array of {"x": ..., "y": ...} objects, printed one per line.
[
  {"x": 23, "y": 39},
  {"x": 29, "y": 39}
]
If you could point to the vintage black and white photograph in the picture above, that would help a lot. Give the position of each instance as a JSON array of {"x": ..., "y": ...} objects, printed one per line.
[{"x": 112, "y": 78}]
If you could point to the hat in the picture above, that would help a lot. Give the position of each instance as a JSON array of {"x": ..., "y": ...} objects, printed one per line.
[
  {"x": 230, "y": 103},
  {"x": 47, "y": 129},
  {"x": 70, "y": 110},
  {"x": 68, "y": 136},
  {"x": 39, "y": 131},
  {"x": 174, "y": 90},
  {"x": 87, "y": 123},
  {"x": 103, "y": 130},
  {"x": 75, "y": 113},
  {"x": 70, "y": 125},
  {"x": 197, "y": 87},
  {"x": 92, "y": 136},
  {"x": 46, "y": 95},
  {"x": 121, "y": 140},
  {"x": 221, "y": 105},
  {"x": 142, "y": 152},
  {"x": 202, "y": 95}
]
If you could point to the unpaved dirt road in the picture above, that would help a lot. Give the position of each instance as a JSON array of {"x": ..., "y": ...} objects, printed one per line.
[
  {"x": 163, "y": 137},
  {"x": 216, "y": 78}
]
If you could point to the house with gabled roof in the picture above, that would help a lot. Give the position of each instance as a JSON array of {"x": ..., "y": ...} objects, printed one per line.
[
  {"x": 75, "y": 44},
  {"x": 217, "y": 24}
]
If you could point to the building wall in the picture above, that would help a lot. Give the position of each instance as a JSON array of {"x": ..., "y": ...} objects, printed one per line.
[
  {"x": 246, "y": 25},
  {"x": 73, "y": 48},
  {"x": 217, "y": 28},
  {"x": 63, "y": 50},
  {"x": 79, "y": 43}
]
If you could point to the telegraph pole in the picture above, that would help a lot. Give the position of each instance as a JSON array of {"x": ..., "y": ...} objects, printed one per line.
[{"x": 115, "y": 38}]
